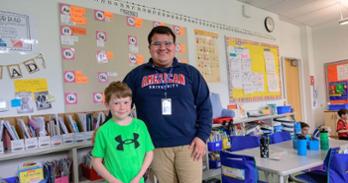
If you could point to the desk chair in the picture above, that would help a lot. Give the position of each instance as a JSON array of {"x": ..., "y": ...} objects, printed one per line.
[
  {"x": 279, "y": 137},
  {"x": 238, "y": 168},
  {"x": 336, "y": 170},
  {"x": 244, "y": 142}
]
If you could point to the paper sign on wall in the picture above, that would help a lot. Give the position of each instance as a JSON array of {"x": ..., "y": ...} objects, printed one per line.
[
  {"x": 31, "y": 85},
  {"x": 98, "y": 97},
  {"x": 69, "y": 76},
  {"x": 102, "y": 77},
  {"x": 68, "y": 53},
  {"x": 70, "y": 98}
]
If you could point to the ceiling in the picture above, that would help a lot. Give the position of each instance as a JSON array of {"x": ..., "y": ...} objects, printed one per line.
[{"x": 307, "y": 12}]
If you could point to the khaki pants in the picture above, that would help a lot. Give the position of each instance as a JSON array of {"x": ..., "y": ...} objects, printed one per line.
[{"x": 175, "y": 165}]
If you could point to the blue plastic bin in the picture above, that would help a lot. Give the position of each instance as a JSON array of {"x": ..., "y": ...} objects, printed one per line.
[
  {"x": 214, "y": 164},
  {"x": 283, "y": 109},
  {"x": 215, "y": 146},
  {"x": 336, "y": 107},
  {"x": 11, "y": 179}
]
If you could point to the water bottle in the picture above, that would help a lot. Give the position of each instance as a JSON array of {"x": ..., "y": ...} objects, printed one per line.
[
  {"x": 297, "y": 128},
  {"x": 264, "y": 146},
  {"x": 301, "y": 145},
  {"x": 324, "y": 140}
]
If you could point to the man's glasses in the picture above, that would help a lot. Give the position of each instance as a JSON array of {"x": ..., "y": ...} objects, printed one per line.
[{"x": 159, "y": 43}]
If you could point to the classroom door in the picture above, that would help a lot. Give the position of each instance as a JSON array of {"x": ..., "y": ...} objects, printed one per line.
[{"x": 292, "y": 86}]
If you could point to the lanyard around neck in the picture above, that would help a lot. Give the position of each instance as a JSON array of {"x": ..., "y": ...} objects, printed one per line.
[{"x": 165, "y": 80}]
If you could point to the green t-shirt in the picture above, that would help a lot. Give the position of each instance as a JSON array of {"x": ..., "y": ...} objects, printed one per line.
[{"x": 123, "y": 148}]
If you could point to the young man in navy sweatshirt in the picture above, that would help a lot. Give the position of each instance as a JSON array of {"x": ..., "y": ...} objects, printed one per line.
[{"x": 173, "y": 100}]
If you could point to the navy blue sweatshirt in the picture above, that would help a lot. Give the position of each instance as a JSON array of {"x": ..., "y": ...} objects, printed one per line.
[{"x": 191, "y": 108}]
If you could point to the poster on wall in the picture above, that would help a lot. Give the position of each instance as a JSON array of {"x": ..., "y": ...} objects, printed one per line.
[
  {"x": 32, "y": 93},
  {"x": 337, "y": 81},
  {"x": 253, "y": 70},
  {"x": 207, "y": 55},
  {"x": 15, "y": 32}
]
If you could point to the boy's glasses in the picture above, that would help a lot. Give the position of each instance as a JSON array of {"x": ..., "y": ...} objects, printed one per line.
[{"x": 159, "y": 43}]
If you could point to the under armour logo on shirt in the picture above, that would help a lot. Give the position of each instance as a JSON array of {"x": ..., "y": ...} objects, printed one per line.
[{"x": 127, "y": 141}]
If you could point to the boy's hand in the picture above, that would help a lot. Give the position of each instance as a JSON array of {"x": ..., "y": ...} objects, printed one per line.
[
  {"x": 136, "y": 180},
  {"x": 116, "y": 181}
]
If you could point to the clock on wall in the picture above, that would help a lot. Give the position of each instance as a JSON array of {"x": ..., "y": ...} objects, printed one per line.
[{"x": 269, "y": 24}]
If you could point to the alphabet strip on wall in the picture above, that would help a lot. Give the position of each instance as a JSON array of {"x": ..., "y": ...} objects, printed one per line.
[
  {"x": 31, "y": 65},
  {"x": 132, "y": 9}
]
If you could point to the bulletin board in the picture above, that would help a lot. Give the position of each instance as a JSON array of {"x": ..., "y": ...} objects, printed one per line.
[
  {"x": 253, "y": 70},
  {"x": 98, "y": 47},
  {"x": 337, "y": 81}
]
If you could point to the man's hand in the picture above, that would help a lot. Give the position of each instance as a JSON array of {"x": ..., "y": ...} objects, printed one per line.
[{"x": 198, "y": 149}]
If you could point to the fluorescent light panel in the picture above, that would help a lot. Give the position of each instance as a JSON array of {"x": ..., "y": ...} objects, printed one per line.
[{"x": 343, "y": 21}]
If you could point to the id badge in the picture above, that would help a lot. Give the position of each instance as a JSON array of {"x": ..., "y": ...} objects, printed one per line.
[{"x": 166, "y": 106}]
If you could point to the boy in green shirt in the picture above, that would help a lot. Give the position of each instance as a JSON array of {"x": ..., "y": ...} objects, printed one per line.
[{"x": 123, "y": 148}]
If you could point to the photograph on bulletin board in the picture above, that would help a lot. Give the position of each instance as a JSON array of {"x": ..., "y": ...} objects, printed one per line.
[
  {"x": 98, "y": 47},
  {"x": 253, "y": 70}
]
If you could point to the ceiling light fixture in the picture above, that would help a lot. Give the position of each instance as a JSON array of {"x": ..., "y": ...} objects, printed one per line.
[{"x": 342, "y": 20}]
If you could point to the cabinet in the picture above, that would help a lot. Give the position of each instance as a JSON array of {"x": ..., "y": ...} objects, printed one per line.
[{"x": 330, "y": 118}]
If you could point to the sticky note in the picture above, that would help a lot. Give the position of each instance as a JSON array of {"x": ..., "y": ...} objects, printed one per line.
[{"x": 16, "y": 102}]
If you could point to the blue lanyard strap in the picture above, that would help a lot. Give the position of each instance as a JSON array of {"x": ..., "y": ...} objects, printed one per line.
[{"x": 165, "y": 80}]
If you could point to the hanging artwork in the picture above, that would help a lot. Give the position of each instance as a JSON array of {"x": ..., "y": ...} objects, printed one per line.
[
  {"x": 14, "y": 71},
  {"x": 31, "y": 65}
]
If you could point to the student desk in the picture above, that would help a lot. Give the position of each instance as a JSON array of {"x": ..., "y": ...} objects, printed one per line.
[{"x": 284, "y": 160}]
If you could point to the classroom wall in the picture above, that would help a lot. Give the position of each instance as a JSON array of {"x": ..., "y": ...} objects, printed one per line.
[
  {"x": 310, "y": 101},
  {"x": 44, "y": 25},
  {"x": 330, "y": 44},
  {"x": 293, "y": 44},
  {"x": 45, "y": 30}
]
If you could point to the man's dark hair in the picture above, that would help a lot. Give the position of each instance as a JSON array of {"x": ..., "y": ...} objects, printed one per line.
[
  {"x": 342, "y": 112},
  {"x": 304, "y": 125},
  {"x": 160, "y": 30}
]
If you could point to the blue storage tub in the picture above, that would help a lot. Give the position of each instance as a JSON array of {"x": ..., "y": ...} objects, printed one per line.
[
  {"x": 336, "y": 107},
  {"x": 10, "y": 179},
  {"x": 214, "y": 164},
  {"x": 215, "y": 146},
  {"x": 283, "y": 109}
]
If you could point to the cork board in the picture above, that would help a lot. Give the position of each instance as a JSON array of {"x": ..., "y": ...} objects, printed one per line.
[{"x": 98, "y": 47}]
